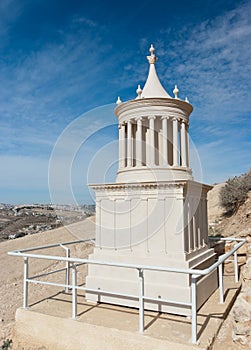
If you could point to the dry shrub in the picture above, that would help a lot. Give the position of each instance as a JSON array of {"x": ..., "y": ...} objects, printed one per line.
[{"x": 235, "y": 192}]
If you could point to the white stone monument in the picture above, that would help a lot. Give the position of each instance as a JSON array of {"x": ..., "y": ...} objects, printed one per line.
[{"x": 154, "y": 214}]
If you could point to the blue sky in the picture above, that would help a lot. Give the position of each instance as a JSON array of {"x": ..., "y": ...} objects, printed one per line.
[{"x": 61, "y": 59}]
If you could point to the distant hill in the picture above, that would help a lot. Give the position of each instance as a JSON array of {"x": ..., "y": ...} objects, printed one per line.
[{"x": 21, "y": 220}]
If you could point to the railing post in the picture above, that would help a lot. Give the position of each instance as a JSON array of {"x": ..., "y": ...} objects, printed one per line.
[
  {"x": 236, "y": 272},
  {"x": 67, "y": 268},
  {"x": 141, "y": 301},
  {"x": 25, "y": 285},
  {"x": 74, "y": 291},
  {"x": 67, "y": 272},
  {"x": 194, "y": 310},
  {"x": 221, "y": 285}
]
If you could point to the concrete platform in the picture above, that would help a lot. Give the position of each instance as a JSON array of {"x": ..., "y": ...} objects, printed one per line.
[{"x": 48, "y": 325}]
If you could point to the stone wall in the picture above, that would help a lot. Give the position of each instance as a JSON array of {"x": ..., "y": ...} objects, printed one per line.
[{"x": 242, "y": 308}]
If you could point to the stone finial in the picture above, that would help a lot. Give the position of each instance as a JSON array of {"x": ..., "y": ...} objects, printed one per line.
[
  {"x": 139, "y": 91},
  {"x": 152, "y": 59},
  {"x": 118, "y": 101},
  {"x": 151, "y": 50},
  {"x": 176, "y": 91},
  {"x": 187, "y": 100}
]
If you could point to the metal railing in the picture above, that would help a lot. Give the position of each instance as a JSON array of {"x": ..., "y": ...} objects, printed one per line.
[{"x": 73, "y": 263}]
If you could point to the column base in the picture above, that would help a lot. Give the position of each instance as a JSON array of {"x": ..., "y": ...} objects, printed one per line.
[{"x": 156, "y": 173}]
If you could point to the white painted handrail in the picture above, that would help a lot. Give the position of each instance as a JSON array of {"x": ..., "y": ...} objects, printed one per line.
[{"x": 73, "y": 263}]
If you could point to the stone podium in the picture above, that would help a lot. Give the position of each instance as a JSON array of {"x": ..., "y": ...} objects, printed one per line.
[{"x": 155, "y": 213}]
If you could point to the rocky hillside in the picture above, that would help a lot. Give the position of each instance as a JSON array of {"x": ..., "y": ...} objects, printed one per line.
[
  {"x": 235, "y": 333},
  {"x": 238, "y": 224}
]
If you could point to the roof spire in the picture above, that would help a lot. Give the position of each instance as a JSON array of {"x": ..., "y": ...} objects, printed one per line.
[{"x": 153, "y": 87}]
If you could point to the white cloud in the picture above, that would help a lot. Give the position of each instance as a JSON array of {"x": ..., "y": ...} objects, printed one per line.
[
  {"x": 42, "y": 92},
  {"x": 212, "y": 62},
  {"x": 89, "y": 22},
  {"x": 76, "y": 149},
  {"x": 221, "y": 160}
]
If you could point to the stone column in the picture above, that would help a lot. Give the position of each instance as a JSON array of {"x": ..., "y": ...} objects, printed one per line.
[
  {"x": 165, "y": 141},
  {"x": 129, "y": 143},
  {"x": 98, "y": 242},
  {"x": 122, "y": 146},
  {"x": 139, "y": 142},
  {"x": 187, "y": 146},
  {"x": 175, "y": 142},
  {"x": 183, "y": 150},
  {"x": 151, "y": 141},
  {"x": 170, "y": 142}
]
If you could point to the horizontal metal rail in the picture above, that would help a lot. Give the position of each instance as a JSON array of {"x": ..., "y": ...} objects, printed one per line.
[
  {"x": 133, "y": 266},
  {"x": 73, "y": 263},
  {"x": 92, "y": 240},
  {"x": 47, "y": 273},
  {"x": 230, "y": 239},
  {"x": 47, "y": 283}
]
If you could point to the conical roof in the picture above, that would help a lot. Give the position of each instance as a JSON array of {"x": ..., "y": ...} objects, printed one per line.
[{"x": 153, "y": 87}]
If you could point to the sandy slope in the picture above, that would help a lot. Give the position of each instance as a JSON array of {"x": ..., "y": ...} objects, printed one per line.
[
  {"x": 215, "y": 211},
  {"x": 12, "y": 267}
]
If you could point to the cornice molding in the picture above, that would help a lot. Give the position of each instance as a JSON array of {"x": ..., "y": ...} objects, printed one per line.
[
  {"x": 153, "y": 102},
  {"x": 149, "y": 185}
]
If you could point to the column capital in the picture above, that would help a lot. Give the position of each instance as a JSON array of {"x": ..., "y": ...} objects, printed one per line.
[
  {"x": 121, "y": 124},
  {"x": 165, "y": 117},
  {"x": 138, "y": 119},
  {"x": 174, "y": 119},
  {"x": 182, "y": 121},
  {"x": 151, "y": 117}
]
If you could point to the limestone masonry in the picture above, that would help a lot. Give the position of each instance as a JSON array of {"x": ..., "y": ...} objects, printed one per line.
[{"x": 155, "y": 213}]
